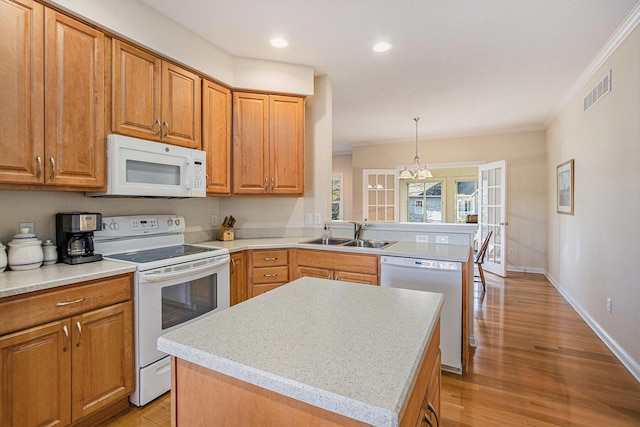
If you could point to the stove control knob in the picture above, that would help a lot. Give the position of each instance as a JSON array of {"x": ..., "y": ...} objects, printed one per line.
[
  {"x": 169, "y": 222},
  {"x": 177, "y": 221},
  {"x": 114, "y": 226}
]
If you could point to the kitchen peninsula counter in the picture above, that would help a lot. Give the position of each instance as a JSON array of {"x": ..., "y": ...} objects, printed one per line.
[
  {"x": 322, "y": 346},
  {"x": 433, "y": 251}
]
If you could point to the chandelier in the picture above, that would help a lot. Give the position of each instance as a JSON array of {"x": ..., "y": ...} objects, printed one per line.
[{"x": 416, "y": 171}]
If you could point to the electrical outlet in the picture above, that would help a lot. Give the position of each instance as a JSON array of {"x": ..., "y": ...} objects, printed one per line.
[
  {"x": 308, "y": 219},
  {"x": 318, "y": 218},
  {"x": 510, "y": 251},
  {"x": 422, "y": 238},
  {"x": 609, "y": 305},
  {"x": 442, "y": 239},
  {"x": 214, "y": 219},
  {"x": 30, "y": 225}
]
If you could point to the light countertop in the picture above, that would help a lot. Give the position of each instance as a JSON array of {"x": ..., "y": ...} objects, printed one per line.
[
  {"x": 348, "y": 348},
  {"x": 51, "y": 276},
  {"x": 434, "y": 251}
]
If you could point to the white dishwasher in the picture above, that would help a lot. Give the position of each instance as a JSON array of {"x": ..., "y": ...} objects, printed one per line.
[{"x": 444, "y": 277}]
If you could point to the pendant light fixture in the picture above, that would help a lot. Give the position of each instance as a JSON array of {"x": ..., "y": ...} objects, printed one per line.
[{"x": 416, "y": 171}]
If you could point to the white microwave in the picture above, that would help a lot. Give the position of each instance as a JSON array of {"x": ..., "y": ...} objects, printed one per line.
[{"x": 141, "y": 168}]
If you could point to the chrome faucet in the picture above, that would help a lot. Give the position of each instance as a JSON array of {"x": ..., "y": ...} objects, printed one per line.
[{"x": 357, "y": 229}]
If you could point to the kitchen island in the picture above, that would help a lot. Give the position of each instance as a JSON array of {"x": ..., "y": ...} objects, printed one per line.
[{"x": 313, "y": 351}]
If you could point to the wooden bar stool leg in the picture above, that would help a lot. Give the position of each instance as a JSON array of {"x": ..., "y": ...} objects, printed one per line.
[{"x": 484, "y": 284}]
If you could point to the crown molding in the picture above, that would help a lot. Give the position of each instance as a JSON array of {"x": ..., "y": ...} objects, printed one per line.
[{"x": 607, "y": 50}]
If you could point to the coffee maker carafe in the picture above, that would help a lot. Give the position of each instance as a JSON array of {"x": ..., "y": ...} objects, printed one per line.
[{"x": 74, "y": 236}]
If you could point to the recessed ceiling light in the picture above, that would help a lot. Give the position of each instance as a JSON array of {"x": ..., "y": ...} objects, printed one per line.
[
  {"x": 279, "y": 42},
  {"x": 381, "y": 47}
]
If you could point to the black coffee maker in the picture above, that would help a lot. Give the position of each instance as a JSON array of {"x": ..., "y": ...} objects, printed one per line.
[{"x": 74, "y": 236}]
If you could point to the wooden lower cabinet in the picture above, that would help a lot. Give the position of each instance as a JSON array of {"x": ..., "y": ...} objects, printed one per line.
[
  {"x": 269, "y": 268},
  {"x": 73, "y": 370},
  {"x": 349, "y": 267},
  {"x": 238, "y": 277}
]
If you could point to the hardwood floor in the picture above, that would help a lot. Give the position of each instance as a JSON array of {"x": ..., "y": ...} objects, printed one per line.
[{"x": 537, "y": 364}]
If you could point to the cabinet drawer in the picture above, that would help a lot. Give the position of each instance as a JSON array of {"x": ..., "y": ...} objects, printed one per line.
[
  {"x": 261, "y": 289},
  {"x": 270, "y": 257},
  {"x": 357, "y": 263},
  {"x": 22, "y": 313},
  {"x": 278, "y": 274}
]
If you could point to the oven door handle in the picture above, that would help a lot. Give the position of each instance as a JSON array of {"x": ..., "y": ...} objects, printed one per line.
[{"x": 158, "y": 276}]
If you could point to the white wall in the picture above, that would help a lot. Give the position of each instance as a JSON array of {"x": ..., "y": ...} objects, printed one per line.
[
  {"x": 595, "y": 253},
  {"x": 138, "y": 22},
  {"x": 526, "y": 181}
]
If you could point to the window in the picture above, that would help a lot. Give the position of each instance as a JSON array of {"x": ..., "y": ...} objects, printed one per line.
[
  {"x": 465, "y": 198},
  {"x": 424, "y": 201},
  {"x": 380, "y": 198},
  {"x": 337, "y": 209}
]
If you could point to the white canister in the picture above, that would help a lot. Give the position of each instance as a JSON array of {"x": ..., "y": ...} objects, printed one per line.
[
  {"x": 3, "y": 258},
  {"x": 25, "y": 251},
  {"x": 50, "y": 253}
]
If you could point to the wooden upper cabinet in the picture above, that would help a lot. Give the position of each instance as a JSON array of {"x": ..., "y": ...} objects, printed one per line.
[
  {"x": 250, "y": 143},
  {"x": 74, "y": 103},
  {"x": 22, "y": 89},
  {"x": 286, "y": 156},
  {"x": 154, "y": 99},
  {"x": 136, "y": 92},
  {"x": 216, "y": 136},
  {"x": 268, "y": 144}
]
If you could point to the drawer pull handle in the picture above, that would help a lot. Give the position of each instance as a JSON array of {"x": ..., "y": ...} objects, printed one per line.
[
  {"x": 80, "y": 335},
  {"x": 271, "y": 275},
  {"x": 266, "y": 184},
  {"x": 270, "y": 258},
  {"x": 433, "y": 411},
  {"x": 53, "y": 168},
  {"x": 66, "y": 340},
  {"x": 156, "y": 125},
  {"x": 272, "y": 184},
  {"x": 62, "y": 304},
  {"x": 165, "y": 125}
]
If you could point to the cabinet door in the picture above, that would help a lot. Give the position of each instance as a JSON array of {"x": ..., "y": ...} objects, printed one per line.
[
  {"x": 349, "y": 276},
  {"x": 136, "y": 92},
  {"x": 250, "y": 143},
  {"x": 74, "y": 103},
  {"x": 22, "y": 89},
  {"x": 321, "y": 273},
  {"x": 216, "y": 136},
  {"x": 431, "y": 404},
  {"x": 238, "y": 276},
  {"x": 286, "y": 157},
  {"x": 102, "y": 358},
  {"x": 181, "y": 112},
  {"x": 35, "y": 370}
]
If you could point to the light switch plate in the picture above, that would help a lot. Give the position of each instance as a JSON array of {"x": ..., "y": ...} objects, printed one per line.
[
  {"x": 308, "y": 218},
  {"x": 318, "y": 218},
  {"x": 30, "y": 225},
  {"x": 442, "y": 239}
]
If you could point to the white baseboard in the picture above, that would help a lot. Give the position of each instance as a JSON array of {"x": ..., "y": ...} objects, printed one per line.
[
  {"x": 519, "y": 269},
  {"x": 632, "y": 366}
]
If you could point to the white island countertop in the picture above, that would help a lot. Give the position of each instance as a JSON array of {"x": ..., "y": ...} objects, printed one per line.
[{"x": 348, "y": 348}]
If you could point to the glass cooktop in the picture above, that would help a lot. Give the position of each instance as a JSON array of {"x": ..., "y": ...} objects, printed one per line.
[{"x": 158, "y": 254}]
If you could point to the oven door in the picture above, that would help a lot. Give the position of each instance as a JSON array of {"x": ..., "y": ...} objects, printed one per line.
[{"x": 170, "y": 297}]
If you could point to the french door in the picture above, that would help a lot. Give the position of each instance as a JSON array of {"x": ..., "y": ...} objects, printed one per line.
[{"x": 492, "y": 209}]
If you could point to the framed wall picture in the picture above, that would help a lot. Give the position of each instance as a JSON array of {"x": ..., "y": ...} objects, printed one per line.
[{"x": 564, "y": 176}]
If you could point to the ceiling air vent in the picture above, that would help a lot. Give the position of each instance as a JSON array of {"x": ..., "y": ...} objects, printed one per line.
[{"x": 602, "y": 88}]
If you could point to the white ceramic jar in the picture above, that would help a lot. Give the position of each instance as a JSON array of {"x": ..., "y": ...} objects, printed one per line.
[
  {"x": 50, "y": 253},
  {"x": 3, "y": 258},
  {"x": 25, "y": 251}
]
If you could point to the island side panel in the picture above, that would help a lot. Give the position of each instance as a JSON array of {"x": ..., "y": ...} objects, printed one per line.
[{"x": 199, "y": 396}]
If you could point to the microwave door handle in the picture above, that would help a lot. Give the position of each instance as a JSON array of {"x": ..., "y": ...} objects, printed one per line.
[
  {"x": 158, "y": 277},
  {"x": 188, "y": 172}
]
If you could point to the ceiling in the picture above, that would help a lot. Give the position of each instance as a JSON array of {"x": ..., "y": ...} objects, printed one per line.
[{"x": 464, "y": 66}]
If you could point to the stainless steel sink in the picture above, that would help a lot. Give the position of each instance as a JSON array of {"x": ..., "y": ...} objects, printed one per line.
[
  {"x": 377, "y": 244},
  {"x": 332, "y": 241},
  {"x": 358, "y": 243}
]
